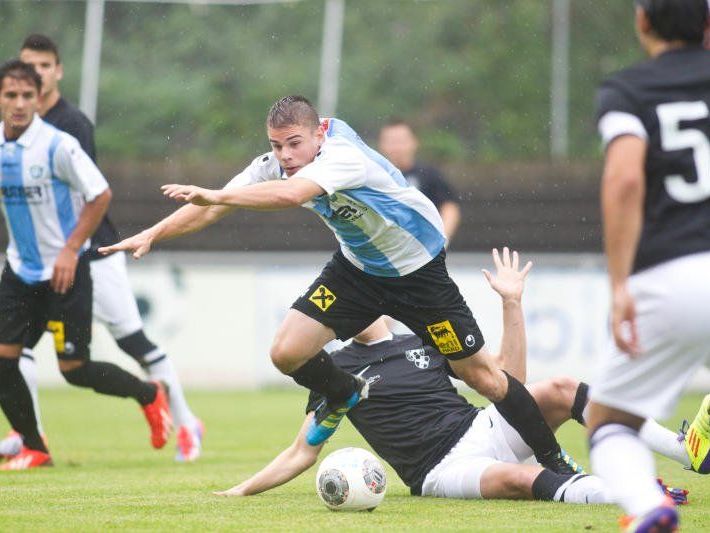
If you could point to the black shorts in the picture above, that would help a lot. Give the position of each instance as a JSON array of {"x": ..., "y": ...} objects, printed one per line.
[
  {"x": 427, "y": 301},
  {"x": 23, "y": 307}
]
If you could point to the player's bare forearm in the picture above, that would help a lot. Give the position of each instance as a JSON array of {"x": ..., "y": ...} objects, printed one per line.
[
  {"x": 289, "y": 464},
  {"x": 278, "y": 194},
  {"x": 186, "y": 220},
  {"x": 513, "y": 344},
  {"x": 622, "y": 195},
  {"x": 89, "y": 219}
]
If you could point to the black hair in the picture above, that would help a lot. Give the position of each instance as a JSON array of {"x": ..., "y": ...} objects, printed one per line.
[
  {"x": 19, "y": 70},
  {"x": 41, "y": 43},
  {"x": 292, "y": 110},
  {"x": 677, "y": 20},
  {"x": 395, "y": 121}
]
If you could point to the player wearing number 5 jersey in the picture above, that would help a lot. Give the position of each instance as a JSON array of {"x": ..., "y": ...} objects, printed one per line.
[{"x": 654, "y": 119}]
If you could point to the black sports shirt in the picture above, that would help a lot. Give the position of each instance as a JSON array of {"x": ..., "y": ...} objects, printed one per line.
[
  {"x": 413, "y": 415},
  {"x": 432, "y": 184},
  {"x": 68, "y": 118},
  {"x": 666, "y": 101}
]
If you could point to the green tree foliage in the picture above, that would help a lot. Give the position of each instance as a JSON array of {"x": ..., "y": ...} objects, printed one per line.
[{"x": 194, "y": 82}]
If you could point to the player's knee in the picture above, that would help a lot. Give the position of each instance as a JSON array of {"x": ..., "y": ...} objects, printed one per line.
[
  {"x": 562, "y": 390},
  {"x": 73, "y": 372},
  {"x": 284, "y": 355}
]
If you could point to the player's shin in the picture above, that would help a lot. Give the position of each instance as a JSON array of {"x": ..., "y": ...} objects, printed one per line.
[
  {"x": 107, "y": 378},
  {"x": 577, "y": 488},
  {"x": 520, "y": 410},
  {"x": 321, "y": 375},
  {"x": 626, "y": 466},
  {"x": 663, "y": 441},
  {"x": 16, "y": 403}
]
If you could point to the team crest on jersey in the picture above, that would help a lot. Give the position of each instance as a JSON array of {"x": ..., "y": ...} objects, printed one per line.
[
  {"x": 418, "y": 357},
  {"x": 444, "y": 336},
  {"x": 36, "y": 171},
  {"x": 322, "y": 297}
]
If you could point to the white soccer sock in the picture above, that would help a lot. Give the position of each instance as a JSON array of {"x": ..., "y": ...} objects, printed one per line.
[
  {"x": 28, "y": 368},
  {"x": 625, "y": 464},
  {"x": 164, "y": 370},
  {"x": 582, "y": 488},
  {"x": 662, "y": 440}
]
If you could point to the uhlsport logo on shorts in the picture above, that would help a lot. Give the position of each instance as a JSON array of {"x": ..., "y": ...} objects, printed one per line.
[
  {"x": 444, "y": 337},
  {"x": 322, "y": 297}
]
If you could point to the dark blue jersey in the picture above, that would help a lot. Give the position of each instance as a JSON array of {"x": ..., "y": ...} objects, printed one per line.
[
  {"x": 413, "y": 415},
  {"x": 666, "y": 101}
]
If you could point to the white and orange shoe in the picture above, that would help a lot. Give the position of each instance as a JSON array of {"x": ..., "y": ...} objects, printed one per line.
[
  {"x": 158, "y": 416},
  {"x": 189, "y": 442},
  {"x": 27, "y": 459},
  {"x": 662, "y": 519}
]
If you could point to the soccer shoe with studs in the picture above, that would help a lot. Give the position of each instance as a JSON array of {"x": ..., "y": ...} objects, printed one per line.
[
  {"x": 697, "y": 439},
  {"x": 328, "y": 417},
  {"x": 157, "y": 413},
  {"x": 679, "y": 496},
  {"x": 662, "y": 519},
  {"x": 27, "y": 459},
  {"x": 563, "y": 463},
  {"x": 189, "y": 442}
]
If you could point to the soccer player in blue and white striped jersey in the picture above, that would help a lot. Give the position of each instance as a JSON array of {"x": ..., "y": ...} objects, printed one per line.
[
  {"x": 53, "y": 198},
  {"x": 391, "y": 261}
]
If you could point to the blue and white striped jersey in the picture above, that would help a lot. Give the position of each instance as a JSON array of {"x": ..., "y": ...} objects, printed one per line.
[
  {"x": 45, "y": 179},
  {"x": 384, "y": 226}
]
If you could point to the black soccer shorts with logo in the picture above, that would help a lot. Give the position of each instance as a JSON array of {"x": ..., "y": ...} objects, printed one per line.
[
  {"x": 67, "y": 316},
  {"x": 427, "y": 301}
]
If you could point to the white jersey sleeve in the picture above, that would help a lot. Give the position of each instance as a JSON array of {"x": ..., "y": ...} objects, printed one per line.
[
  {"x": 338, "y": 166},
  {"x": 73, "y": 166},
  {"x": 263, "y": 168}
]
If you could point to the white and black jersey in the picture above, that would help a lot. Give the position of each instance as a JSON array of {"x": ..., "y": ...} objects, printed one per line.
[
  {"x": 666, "y": 101},
  {"x": 413, "y": 415},
  {"x": 68, "y": 118}
]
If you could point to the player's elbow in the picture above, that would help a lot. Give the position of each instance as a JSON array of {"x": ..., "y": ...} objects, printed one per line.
[{"x": 624, "y": 184}]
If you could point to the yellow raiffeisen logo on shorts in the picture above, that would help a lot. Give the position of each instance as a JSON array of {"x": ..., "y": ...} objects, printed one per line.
[
  {"x": 322, "y": 298},
  {"x": 444, "y": 337}
]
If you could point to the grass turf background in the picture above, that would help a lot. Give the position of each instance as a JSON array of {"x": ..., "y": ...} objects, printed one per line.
[{"x": 107, "y": 477}]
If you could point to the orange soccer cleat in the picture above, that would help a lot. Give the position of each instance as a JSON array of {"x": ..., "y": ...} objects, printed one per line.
[{"x": 158, "y": 416}]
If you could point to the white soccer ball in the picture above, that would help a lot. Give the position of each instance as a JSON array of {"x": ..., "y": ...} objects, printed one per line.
[{"x": 351, "y": 479}]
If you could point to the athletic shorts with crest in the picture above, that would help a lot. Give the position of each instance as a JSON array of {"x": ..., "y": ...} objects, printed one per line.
[
  {"x": 427, "y": 301},
  {"x": 67, "y": 316}
]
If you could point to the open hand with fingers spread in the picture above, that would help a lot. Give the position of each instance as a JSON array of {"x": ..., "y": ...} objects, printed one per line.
[
  {"x": 508, "y": 280},
  {"x": 191, "y": 194}
]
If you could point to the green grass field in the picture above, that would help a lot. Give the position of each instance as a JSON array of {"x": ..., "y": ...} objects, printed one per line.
[{"x": 107, "y": 477}]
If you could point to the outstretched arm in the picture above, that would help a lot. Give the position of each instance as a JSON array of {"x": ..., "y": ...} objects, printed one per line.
[
  {"x": 289, "y": 464},
  {"x": 276, "y": 194},
  {"x": 509, "y": 283},
  {"x": 188, "y": 219}
]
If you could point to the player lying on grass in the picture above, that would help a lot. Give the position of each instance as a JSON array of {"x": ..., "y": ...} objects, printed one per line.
[{"x": 438, "y": 443}]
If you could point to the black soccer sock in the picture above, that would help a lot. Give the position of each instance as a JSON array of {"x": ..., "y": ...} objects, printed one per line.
[
  {"x": 321, "y": 375},
  {"x": 16, "y": 403},
  {"x": 547, "y": 483},
  {"x": 522, "y": 412},
  {"x": 107, "y": 378},
  {"x": 138, "y": 346},
  {"x": 581, "y": 398}
]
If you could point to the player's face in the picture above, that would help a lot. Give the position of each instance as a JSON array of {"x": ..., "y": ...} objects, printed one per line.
[
  {"x": 45, "y": 63},
  {"x": 295, "y": 146},
  {"x": 399, "y": 145},
  {"x": 18, "y": 102}
]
